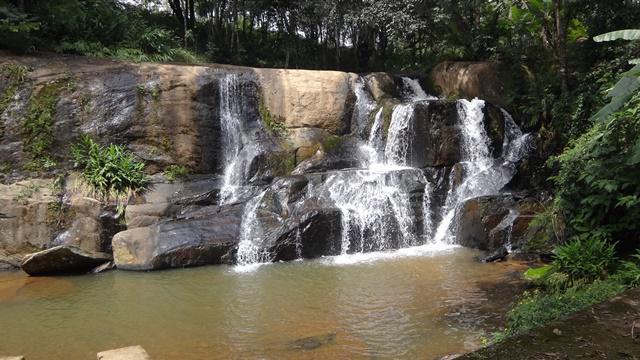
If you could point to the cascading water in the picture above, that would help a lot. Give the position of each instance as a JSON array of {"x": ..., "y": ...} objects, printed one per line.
[
  {"x": 238, "y": 149},
  {"x": 382, "y": 202},
  {"x": 414, "y": 91},
  {"x": 482, "y": 175}
]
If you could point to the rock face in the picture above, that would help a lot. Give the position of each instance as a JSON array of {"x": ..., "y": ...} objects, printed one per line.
[
  {"x": 62, "y": 259},
  {"x": 469, "y": 80},
  {"x": 493, "y": 222},
  {"x": 296, "y": 129},
  {"x": 309, "y": 99},
  {"x": 34, "y": 216},
  {"x": 205, "y": 235}
]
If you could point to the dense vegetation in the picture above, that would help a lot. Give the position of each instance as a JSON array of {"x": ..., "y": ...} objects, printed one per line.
[{"x": 560, "y": 79}]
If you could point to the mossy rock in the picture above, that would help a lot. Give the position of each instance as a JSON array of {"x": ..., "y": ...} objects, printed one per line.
[{"x": 281, "y": 163}]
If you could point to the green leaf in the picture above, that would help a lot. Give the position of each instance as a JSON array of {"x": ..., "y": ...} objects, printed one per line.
[
  {"x": 534, "y": 274},
  {"x": 629, "y": 34}
]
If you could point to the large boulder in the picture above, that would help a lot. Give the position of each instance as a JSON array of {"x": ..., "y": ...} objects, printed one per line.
[
  {"x": 437, "y": 134},
  {"x": 381, "y": 86},
  {"x": 469, "y": 79},
  {"x": 309, "y": 234},
  {"x": 64, "y": 259},
  {"x": 497, "y": 221},
  {"x": 200, "y": 236},
  {"x": 305, "y": 98}
]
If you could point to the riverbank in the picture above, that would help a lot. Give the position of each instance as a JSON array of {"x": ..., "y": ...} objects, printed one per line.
[{"x": 608, "y": 330}]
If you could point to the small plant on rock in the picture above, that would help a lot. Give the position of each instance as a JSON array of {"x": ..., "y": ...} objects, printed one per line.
[
  {"x": 176, "y": 172},
  {"x": 111, "y": 171}
]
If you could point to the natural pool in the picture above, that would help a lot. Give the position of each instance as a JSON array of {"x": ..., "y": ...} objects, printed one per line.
[{"x": 412, "y": 303}]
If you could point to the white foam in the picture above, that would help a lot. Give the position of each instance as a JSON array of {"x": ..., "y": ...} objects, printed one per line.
[{"x": 413, "y": 251}]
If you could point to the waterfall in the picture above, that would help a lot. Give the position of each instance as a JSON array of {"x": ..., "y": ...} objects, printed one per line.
[
  {"x": 414, "y": 91},
  {"x": 238, "y": 149},
  {"x": 400, "y": 135},
  {"x": 250, "y": 250},
  {"x": 482, "y": 175},
  {"x": 363, "y": 107},
  {"x": 382, "y": 201}
]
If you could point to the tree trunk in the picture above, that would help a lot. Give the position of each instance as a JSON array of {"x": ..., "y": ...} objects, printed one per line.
[{"x": 561, "y": 42}]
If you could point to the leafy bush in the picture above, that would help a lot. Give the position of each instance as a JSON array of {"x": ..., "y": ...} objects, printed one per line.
[
  {"x": 581, "y": 261},
  {"x": 629, "y": 271},
  {"x": 597, "y": 182},
  {"x": 111, "y": 171},
  {"x": 175, "y": 172}
]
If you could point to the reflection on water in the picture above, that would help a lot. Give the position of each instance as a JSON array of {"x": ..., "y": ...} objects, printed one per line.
[{"x": 420, "y": 305}]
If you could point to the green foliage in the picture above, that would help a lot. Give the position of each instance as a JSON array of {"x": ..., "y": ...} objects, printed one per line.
[
  {"x": 629, "y": 34},
  {"x": 16, "y": 28},
  {"x": 27, "y": 192},
  {"x": 176, "y": 172},
  {"x": 331, "y": 142},
  {"x": 581, "y": 261},
  {"x": 281, "y": 163},
  {"x": 111, "y": 171},
  {"x": 534, "y": 274},
  {"x": 537, "y": 308},
  {"x": 629, "y": 271},
  {"x": 15, "y": 76},
  {"x": 37, "y": 125},
  {"x": 597, "y": 181},
  {"x": 273, "y": 123}
]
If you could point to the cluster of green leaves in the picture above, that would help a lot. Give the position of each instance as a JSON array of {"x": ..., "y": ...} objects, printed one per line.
[
  {"x": 581, "y": 261},
  {"x": 273, "y": 123},
  {"x": 14, "y": 76},
  {"x": 597, "y": 180},
  {"x": 112, "y": 171},
  {"x": 37, "y": 124},
  {"x": 101, "y": 28},
  {"x": 176, "y": 172}
]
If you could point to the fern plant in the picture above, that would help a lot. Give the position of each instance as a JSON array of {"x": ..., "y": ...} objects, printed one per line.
[{"x": 112, "y": 171}]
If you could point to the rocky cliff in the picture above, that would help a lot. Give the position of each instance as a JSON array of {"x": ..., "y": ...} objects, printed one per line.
[{"x": 297, "y": 127}]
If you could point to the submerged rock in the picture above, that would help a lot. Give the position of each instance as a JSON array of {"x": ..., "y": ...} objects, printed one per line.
[
  {"x": 62, "y": 259},
  {"x": 313, "y": 342},
  {"x": 126, "y": 353}
]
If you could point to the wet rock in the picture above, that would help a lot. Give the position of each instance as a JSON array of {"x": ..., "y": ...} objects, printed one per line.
[
  {"x": 437, "y": 135},
  {"x": 339, "y": 153},
  {"x": 62, "y": 259},
  {"x": 478, "y": 217},
  {"x": 104, "y": 267},
  {"x": 126, "y": 353},
  {"x": 493, "y": 222},
  {"x": 313, "y": 342},
  {"x": 313, "y": 234},
  {"x": 497, "y": 255},
  {"x": 199, "y": 236}
]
